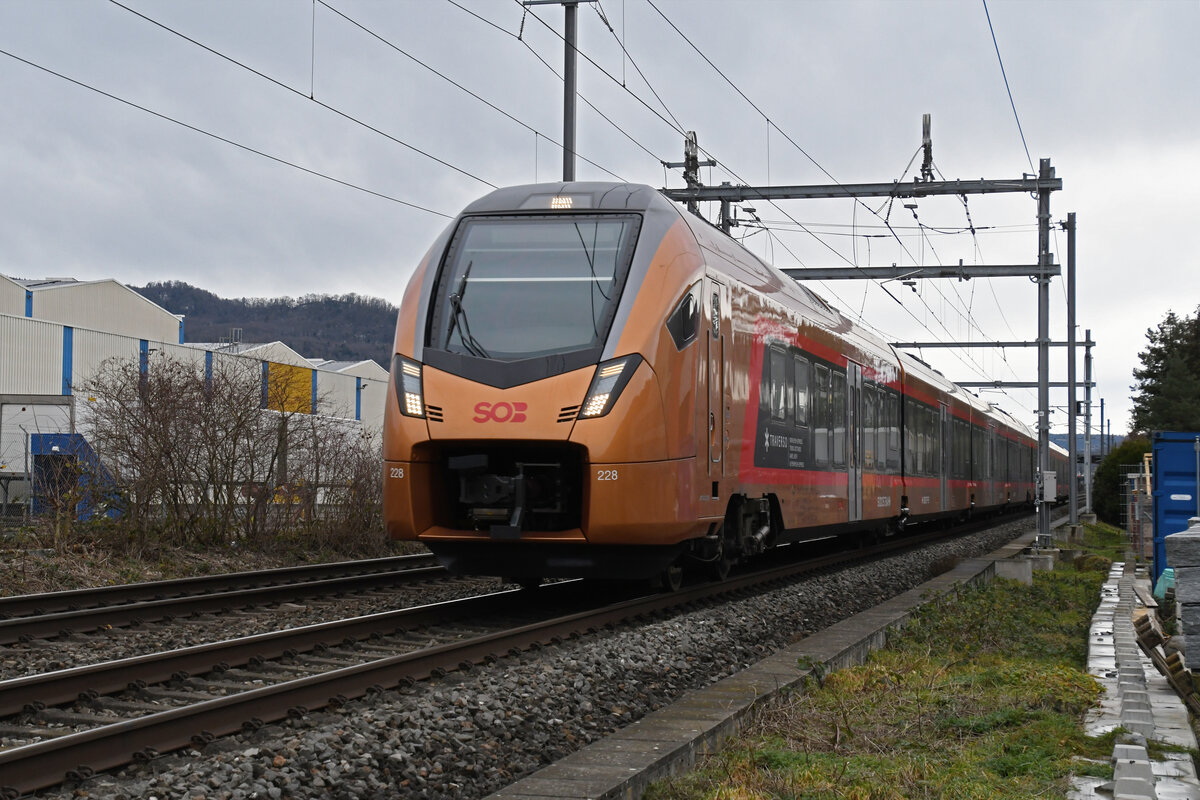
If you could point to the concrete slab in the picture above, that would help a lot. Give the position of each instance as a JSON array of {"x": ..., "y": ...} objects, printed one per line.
[{"x": 1017, "y": 569}]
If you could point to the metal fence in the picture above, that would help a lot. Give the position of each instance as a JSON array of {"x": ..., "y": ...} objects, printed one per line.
[{"x": 1137, "y": 508}]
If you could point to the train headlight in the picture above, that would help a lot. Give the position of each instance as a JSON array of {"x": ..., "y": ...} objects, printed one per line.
[
  {"x": 407, "y": 375},
  {"x": 610, "y": 378}
]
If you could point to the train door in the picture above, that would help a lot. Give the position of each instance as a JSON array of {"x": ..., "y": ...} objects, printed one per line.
[
  {"x": 944, "y": 434},
  {"x": 716, "y": 300},
  {"x": 854, "y": 439}
]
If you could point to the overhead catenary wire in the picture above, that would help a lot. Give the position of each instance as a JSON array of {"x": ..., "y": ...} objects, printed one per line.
[
  {"x": 392, "y": 45},
  {"x": 558, "y": 75},
  {"x": 296, "y": 91},
  {"x": 1007, "y": 89},
  {"x": 218, "y": 137},
  {"x": 638, "y": 70}
]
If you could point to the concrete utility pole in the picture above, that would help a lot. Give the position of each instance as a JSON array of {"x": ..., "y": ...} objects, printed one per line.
[{"x": 570, "y": 57}]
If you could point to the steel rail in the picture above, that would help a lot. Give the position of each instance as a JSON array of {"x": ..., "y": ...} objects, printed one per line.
[
  {"x": 74, "y": 599},
  {"x": 79, "y": 755},
  {"x": 90, "y": 619},
  {"x": 32, "y": 692}
]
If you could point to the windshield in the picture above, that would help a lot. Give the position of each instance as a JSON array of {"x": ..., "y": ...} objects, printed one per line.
[{"x": 522, "y": 287}]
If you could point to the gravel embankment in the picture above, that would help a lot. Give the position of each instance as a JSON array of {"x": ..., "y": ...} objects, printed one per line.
[{"x": 470, "y": 734}]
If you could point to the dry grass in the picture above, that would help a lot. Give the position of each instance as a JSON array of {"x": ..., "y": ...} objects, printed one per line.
[{"x": 95, "y": 556}]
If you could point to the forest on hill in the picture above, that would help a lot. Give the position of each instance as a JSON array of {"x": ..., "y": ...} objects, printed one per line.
[{"x": 346, "y": 327}]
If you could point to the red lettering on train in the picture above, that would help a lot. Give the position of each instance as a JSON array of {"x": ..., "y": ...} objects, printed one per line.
[{"x": 499, "y": 412}]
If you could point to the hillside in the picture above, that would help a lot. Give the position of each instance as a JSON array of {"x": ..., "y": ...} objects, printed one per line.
[
  {"x": 340, "y": 327},
  {"x": 1063, "y": 439}
]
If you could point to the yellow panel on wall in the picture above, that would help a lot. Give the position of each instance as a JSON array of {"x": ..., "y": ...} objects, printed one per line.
[{"x": 289, "y": 388}]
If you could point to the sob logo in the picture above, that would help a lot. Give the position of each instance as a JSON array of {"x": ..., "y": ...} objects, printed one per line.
[{"x": 500, "y": 412}]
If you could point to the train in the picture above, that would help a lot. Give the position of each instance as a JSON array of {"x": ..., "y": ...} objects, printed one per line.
[{"x": 590, "y": 381}]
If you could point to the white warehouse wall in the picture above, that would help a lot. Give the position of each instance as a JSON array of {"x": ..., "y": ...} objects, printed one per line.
[
  {"x": 31, "y": 354},
  {"x": 105, "y": 306},
  {"x": 12, "y": 297}
]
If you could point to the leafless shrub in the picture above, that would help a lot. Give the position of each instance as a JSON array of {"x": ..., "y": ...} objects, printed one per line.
[{"x": 212, "y": 456}]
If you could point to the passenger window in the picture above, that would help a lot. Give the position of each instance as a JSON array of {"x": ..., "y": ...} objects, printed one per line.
[
  {"x": 684, "y": 322},
  {"x": 870, "y": 423},
  {"x": 821, "y": 416},
  {"x": 839, "y": 419},
  {"x": 892, "y": 401},
  {"x": 781, "y": 383},
  {"x": 801, "y": 392}
]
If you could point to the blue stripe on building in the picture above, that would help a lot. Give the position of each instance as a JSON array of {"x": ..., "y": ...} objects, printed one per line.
[
  {"x": 181, "y": 330},
  {"x": 68, "y": 354},
  {"x": 29, "y": 302},
  {"x": 143, "y": 356},
  {"x": 358, "y": 398},
  {"x": 266, "y": 374},
  {"x": 314, "y": 391},
  {"x": 208, "y": 358}
]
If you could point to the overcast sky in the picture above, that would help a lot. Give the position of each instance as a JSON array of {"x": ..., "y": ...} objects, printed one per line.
[{"x": 94, "y": 187}]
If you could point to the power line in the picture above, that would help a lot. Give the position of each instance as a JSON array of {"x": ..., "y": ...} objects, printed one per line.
[
  {"x": 459, "y": 86},
  {"x": 637, "y": 69},
  {"x": 675, "y": 126},
  {"x": 555, "y": 72},
  {"x": 295, "y": 91},
  {"x": 220, "y": 138},
  {"x": 1006, "y": 87}
]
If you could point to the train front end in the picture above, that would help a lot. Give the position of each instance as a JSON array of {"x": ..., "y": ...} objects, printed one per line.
[{"x": 525, "y": 433}]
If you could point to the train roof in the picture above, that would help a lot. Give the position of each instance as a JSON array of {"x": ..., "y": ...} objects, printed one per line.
[{"x": 571, "y": 196}]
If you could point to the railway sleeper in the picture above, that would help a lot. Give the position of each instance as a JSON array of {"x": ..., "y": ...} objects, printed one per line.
[
  {"x": 159, "y": 693},
  {"x": 60, "y": 716},
  {"x": 120, "y": 706},
  {"x": 19, "y": 735}
]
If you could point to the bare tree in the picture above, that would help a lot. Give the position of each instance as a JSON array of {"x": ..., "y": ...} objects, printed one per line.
[{"x": 203, "y": 456}]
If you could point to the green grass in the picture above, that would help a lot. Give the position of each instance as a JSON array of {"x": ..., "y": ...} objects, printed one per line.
[
  {"x": 1105, "y": 540},
  {"x": 981, "y": 696}
]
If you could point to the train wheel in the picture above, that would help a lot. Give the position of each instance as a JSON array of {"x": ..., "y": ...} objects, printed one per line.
[
  {"x": 718, "y": 568},
  {"x": 671, "y": 578}
]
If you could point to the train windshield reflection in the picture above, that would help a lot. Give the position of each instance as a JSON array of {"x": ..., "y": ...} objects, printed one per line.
[{"x": 522, "y": 287}]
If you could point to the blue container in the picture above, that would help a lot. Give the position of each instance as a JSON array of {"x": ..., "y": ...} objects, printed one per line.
[{"x": 1176, "y": 494}]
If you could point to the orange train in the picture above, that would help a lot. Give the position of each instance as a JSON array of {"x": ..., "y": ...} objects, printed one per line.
[{"x": 589, "y": 381}]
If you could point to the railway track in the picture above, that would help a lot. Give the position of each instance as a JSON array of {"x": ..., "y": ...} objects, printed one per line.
[
  {"x": 25, "y": 617},
  {"x": 72, "y": 723}
]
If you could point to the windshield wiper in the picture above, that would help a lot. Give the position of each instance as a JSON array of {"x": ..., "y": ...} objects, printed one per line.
[{"x": 459, "y": 319}]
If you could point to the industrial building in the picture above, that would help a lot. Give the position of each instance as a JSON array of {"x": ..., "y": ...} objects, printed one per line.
[{"x": 56, "y": 332}]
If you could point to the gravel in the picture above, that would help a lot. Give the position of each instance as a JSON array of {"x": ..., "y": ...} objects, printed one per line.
[{"x": 470, "y": 734}]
